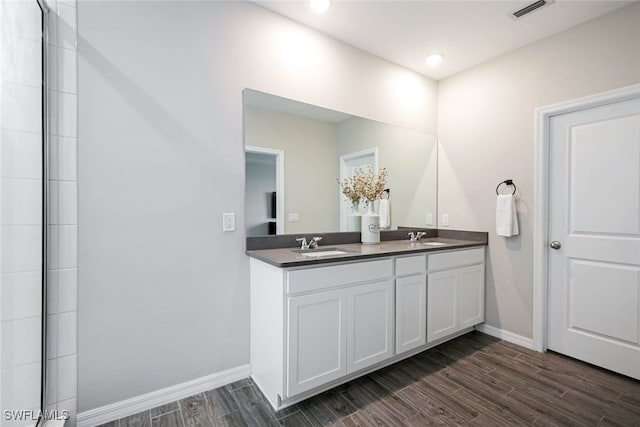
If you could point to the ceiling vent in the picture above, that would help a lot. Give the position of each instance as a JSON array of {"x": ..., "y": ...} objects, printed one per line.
[{"x": 530, "y": 8}]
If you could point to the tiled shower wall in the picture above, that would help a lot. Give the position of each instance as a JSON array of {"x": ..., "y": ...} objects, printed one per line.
[
  {"x": 20, "y": 216},
  {"x": 20, "y": 213},
  {"x": 63, "y": 209}
]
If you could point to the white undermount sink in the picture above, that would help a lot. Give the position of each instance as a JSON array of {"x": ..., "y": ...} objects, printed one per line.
[
  {"x": 321, "y": 253},
  {"x": 433, "y": 243}
]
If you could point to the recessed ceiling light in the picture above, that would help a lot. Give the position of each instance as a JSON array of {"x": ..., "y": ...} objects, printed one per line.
[
  {"x": 320, "y": 6},
  {"x": 434, "y": 59}
]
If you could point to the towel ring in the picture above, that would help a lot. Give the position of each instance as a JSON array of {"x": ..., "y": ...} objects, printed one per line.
[
  {"x": 388, "y": 191},
  {"x": 507, "y": 182}
]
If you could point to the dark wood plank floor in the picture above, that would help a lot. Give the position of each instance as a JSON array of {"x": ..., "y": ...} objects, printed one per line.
[{"x": 473, "y": 380}]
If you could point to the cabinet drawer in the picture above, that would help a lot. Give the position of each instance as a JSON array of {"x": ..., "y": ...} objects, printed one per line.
[
  {"x": 312, "y": 279},
  {"x": 455, "y": 259},
  {"x": 411, "y": 265}
]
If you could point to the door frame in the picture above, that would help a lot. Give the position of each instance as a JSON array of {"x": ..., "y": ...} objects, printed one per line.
[
  {"x": 343, "y": 172},
  {"x": 543, "y": 117},
  {"x": 279, "y": 154}
]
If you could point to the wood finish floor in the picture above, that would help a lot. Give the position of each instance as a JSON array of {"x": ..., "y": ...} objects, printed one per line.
[{"x": 473, "y": 380}]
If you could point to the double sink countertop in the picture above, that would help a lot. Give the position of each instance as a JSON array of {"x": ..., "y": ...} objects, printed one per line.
[{"x": 294, "y": 257}]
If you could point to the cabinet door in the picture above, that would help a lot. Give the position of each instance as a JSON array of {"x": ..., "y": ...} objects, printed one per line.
[
  {"x": 316, "y": 340},
  {"x": 370, "y": 319},
  {"x": 411, "y": 312},
  {"x": 470, "y": 296},
  {"x": 441, "y": 304}
]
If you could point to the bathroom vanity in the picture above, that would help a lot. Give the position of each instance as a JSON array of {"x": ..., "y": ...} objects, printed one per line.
[{"x": 318, "y": 321}]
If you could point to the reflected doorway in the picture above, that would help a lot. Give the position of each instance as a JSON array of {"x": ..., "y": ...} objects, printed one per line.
[
  {"x": 264, "y": 191},
  {"x": 349, "y": 165}
]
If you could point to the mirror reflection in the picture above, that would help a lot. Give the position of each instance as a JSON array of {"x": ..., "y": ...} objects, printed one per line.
[{"x": 296, "y": 155}]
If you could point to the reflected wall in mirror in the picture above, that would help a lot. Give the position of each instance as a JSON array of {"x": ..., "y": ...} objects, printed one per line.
[{"x": 300, "y": 152}]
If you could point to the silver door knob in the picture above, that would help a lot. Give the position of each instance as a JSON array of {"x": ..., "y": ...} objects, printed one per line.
[{"x": 555, "y": 245}]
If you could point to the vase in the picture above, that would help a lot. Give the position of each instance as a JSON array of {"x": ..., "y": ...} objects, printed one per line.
[{"x": 370, "y": 228}]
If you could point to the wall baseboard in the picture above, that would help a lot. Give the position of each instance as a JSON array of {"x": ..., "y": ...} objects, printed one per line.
[
  {"x": 124, "y": 408},
  {"x": 506, "y": 335}
]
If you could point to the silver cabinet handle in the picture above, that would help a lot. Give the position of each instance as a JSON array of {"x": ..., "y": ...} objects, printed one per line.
[{"x": 555, "y": 245}]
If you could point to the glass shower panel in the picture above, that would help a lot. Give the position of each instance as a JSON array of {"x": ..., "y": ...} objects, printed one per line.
[{"x": 21, "y": 215}]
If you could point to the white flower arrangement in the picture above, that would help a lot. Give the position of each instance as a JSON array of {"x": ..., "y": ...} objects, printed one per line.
[{"x": 364, "y": 185}]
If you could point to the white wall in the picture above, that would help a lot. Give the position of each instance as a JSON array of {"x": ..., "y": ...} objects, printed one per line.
[
  {"x": 486, "y": 129},
  {"x": 164, "y": 295},
  {"x": 411, "y": 161},
  {"x": 310, "y": 169}
]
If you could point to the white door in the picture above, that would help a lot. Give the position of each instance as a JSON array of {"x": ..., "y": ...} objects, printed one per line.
[
  {"x": 411, "y": 312},
  {"x": 349, "y": 165},
  {"x": 470, "y": 296},
  {"x": 441, "y": 304},
  {"x": 316, "y": 340},
  {"x": 594, "y": 236},
  {"x": 370, "y": 318}
]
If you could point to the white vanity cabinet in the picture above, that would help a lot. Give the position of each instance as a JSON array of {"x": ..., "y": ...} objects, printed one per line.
[
  {"x": 316, "y": 340},
  {"x": 455, "y": 292},
  {"x": 411, "y": 302},
  {"x": 370, "y": 320},
  {"x": 337, "y": 332},
  {"x": 313, "y": 325},
  {"x": 316, "y": 326}
]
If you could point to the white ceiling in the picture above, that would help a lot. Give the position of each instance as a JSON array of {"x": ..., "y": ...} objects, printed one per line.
[{"x": 467, "y": 32}]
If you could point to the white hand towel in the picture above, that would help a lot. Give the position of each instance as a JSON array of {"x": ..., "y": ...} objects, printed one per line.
[
  {"x": 506, "y": 218},
  {"x": 385, "y": 213}
]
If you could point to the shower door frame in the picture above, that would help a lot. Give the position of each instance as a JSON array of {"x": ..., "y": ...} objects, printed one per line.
[{"x": 45, "y": 207}]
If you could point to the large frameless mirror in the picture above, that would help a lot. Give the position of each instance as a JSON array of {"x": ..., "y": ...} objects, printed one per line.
[{"x": 296, "y": 155}]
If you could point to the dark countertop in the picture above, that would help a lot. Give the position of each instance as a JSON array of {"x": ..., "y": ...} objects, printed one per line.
[{"x": 288, "y": 257}]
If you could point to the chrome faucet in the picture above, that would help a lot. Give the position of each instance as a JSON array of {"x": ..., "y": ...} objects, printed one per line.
[
  {"x": 415, "y": 237},
  {"x": 313, "y": 243}
]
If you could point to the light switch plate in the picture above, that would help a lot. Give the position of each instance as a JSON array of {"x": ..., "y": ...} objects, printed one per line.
[
  {"x": 294, "y": 217},
  {"x": 229, "y": 221},
  {"x": 429, "y": 219},
  {"x": 445, "y": 220}
]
